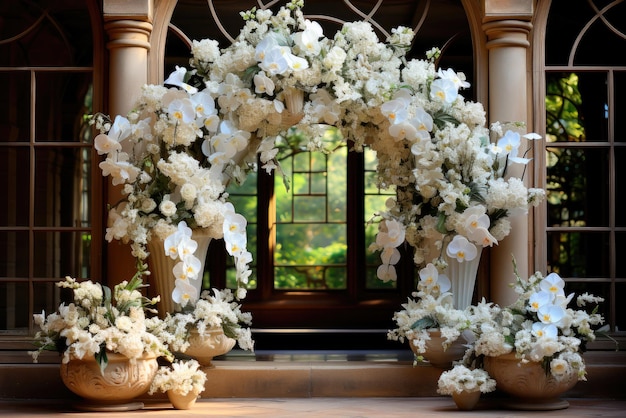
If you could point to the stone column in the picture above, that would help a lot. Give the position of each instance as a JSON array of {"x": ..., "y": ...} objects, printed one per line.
[
  {"x": 128, "y": 24},
  {"x": 507, "y": 27}
]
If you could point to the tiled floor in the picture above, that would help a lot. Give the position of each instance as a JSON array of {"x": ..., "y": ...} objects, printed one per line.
[{"x": 323, "y": 408}]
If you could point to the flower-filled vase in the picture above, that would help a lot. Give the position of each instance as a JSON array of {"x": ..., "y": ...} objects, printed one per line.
[
  {"x": 462, "y": 277},
  {"x": 530, "y": 387},
  {"x": 212, "y": 343},
  {"x": 161, "y": 265},
  {"x": 115, "y": 387}
]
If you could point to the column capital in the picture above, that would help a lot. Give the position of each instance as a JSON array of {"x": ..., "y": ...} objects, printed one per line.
[
  {"x": 140, "y": 10},
  {"x": 128, "y": 33},
  {"x": 507, "y": 33}
]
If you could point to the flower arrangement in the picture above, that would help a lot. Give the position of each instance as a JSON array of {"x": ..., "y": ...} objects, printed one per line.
[
  {"x": 431, "y": 308},
  {"x": 182, "y": 376},
  {"x": 454, "y": 195},
  {"x": 461, "y": 378},
  {"x": 98, "y": 321},
  {"x": 216, "y": 309},
  {"x": 538, "y": 327}
]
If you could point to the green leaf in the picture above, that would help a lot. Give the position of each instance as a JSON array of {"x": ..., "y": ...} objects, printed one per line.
[
  {"x": 441, "y": 223},
  {"x": 441, "y": 119},
  {"x": 102, "y": 359},
  {"x": 424, "y": 323}
]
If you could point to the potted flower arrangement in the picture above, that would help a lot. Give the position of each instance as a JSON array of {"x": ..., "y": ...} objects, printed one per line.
[
  {"x": 465, "y": 385},
  {"x": 182, "y": 381},
  {"x": 433, "y": 327},
  {"x": 101, "y": 328},
  {"x": 533, "y": 348},
  {"x": 207, "y": 327}
]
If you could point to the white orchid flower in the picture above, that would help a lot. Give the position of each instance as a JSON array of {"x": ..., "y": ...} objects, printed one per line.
[
  {"x": 539, "y": 299},
  {"x": 461, "y": 249},
  {"x": 443, "y": 90},
  {"x": 386, "y": 273},
  {"x": 184, "y": 293},
  {"x": 177, "y": 77},
  {"x": 553, "y": 284},
  {"x": 182, "y": 110}
]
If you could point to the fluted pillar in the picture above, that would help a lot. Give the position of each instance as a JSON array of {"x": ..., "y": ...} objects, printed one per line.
[
  {"x": 128, "y": 24},
  {"x": 507, "y": 28}
]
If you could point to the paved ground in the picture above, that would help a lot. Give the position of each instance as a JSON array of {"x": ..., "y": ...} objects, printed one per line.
[{"x": 321, "y": 407}]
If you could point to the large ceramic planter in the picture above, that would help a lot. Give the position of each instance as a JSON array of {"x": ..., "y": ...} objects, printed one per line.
[
  {"x": 435, "y": 353},
  {"x": 211, "y": 344},
  {"x": 112, "y": 389},
  {"x": 161, "y": 278},
  {"x": 527, "y": 383}
]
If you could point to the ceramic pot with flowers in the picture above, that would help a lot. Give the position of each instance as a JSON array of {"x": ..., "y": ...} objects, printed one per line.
[
  {"x": 182, "y": 381},
  {"x": 113, "y": 388},
  {"x": 109, "y": 353},
  {"x": 528, "y": 384}
]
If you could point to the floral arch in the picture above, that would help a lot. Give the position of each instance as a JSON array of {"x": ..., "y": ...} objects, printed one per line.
[{"x": 207, "y": 125}]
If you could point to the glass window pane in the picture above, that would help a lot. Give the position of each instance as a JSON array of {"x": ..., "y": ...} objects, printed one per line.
[
  {"x": 65, "y": 254},
  {"x": 619, "y": 99},
  {"x": 14, "y": 164},
  {"x": 620, "y": 308},
  {"x": 577, "y": 186},
  {"x": 576, "y": 107},
  {"x": 62, "y": 187},
  {"x": 310, "y": 278},
  {"x": 14, "y": 249},
  {"x": 47, "y": 296},
  {"x": 620, "y": 185},
  {"x": 14, "y": 106},
  {"x": 62, "y": 100},
  {"x": 13, "y": 307},
  {"x": 579, "y": 254},
  {"x": 601, "y": 289},
  {"x": 309, "y": 208},
  {"x": 620, "y": 250}
]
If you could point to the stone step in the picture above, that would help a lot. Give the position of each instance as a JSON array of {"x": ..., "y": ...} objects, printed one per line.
[{"x": 313, "y": 374}]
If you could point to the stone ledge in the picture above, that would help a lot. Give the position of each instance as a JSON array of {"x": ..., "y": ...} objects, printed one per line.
[{"x": 306, "y": 379}]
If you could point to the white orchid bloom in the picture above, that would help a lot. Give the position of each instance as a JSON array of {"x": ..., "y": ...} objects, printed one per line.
[
  {"x": 184, "y": 292},
  {"x": 274, "y": 61},
  {"x": 390, "y": 255},
  {"x": 182, "y": 110},
  {"x": 308, "y": 40},
  {"x": 177, "y": 77},
  {"x": 263, "y": 84},
  {"x": 443, "y": 90},
  {"x": 296, "y": 63},
  {"x": 461, "y": 249},
  {"x": 457, "y": 78},
  {"x": 539, "y": 299},
  {"x": 120, "y": 171},
  {"x": 395, "y": 111},
  {"x": 550, "y": 314},
  {"x": 553, "y": 284},
  {"x": 545, "y": 331},
  {"x": 392, "y": 234},
  {"x": 430, "y": 277},
  {"x": 386, "y": 273},
  {"x": 234, "y": 224}
]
